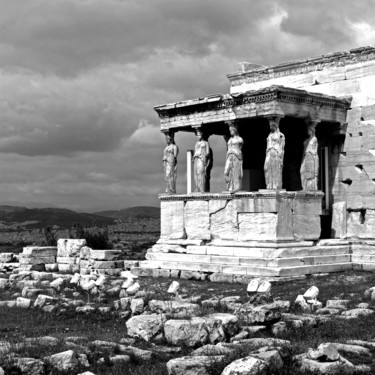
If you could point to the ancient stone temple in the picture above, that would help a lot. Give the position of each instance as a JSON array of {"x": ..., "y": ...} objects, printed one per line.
[{"x": 300, "y": 172}]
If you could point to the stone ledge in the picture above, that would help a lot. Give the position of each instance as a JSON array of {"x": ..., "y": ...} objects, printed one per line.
[{"x": 239, "y": 195}]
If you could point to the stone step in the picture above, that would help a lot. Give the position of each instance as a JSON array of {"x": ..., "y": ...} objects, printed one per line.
[
  {"x": 363, "y": 266},
  {"x": 268, "y": 244},
  {"x": 247, "y": 270},
  {"x": 359, "y": 249},
  {"x": 267, "y": 252},
  {"x": 248, "y": 261},
  {"x": 363, "y": 258}
]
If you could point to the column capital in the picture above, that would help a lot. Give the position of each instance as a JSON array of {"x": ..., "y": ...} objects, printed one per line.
[
  {"x": 274, "y": 118},
  {"x": 311, "y": 123}
]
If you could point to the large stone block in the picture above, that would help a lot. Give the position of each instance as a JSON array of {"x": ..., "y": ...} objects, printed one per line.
[
  {"x": 70, "y": 247},
  {"x": 107, "y": 255},
  {"x": 257, "y": 204},
  {"x": 37, "y": 251},
  {"x": 197, "y": 220},
  {"x": 338, "y": 227},
  {"x": 306, "y": 227},
  {"x": 172, "y": 220},
  {"x": 355, "y": 224},
  {"x": 31, "y": 259},
  {"x": 307, "y": 205},
  {"x": 257, "y": 226},
  {"x": 284, "y": 230},
  {"x": 224, "y": 223}
]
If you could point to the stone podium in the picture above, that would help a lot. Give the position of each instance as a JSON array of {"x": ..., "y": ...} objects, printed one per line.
[{"x": 243, "y": 235}]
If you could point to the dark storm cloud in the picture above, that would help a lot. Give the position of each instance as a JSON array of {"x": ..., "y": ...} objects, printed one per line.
[{"x": 68, "y": 36}]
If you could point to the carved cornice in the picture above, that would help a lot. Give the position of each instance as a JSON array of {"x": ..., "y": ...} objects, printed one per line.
[
  {"x": 336, "y": 59},
  {"x": 272, "y": 194},
  {"x": 271, "y": 93}
]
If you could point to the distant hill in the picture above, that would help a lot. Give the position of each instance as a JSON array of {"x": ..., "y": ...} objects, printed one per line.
[
  {"x": 137, "y": 212},
  {"x": 42, "y": 217},
  {"x": 28, "y": 204}
]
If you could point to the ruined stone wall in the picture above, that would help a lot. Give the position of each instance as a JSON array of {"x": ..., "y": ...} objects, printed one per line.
[{"x": 341, "y": 74}]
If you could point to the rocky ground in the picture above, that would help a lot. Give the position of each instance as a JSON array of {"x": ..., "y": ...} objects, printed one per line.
[{"x": 72, "y": 324}]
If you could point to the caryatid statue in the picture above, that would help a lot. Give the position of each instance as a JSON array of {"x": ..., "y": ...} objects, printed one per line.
[
  {"x": 310, "y": 159},
  {"x": 273, "y": 165},
  {"x": 170, "y": 164},
  {"x": 202, "y": 163},
  {"x": 233, "y": 166}
]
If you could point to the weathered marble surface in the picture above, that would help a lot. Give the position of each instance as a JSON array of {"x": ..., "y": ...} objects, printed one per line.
[
  {"x": 172, "y": 220},
  {"x": 70, "y": 247},
  {"x": 197, "y": 220},
  {"x": 338, "y": 226}
]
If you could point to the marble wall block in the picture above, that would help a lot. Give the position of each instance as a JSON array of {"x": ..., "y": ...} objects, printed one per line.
[
  {"x": 306, "y": 227},
  {"x": 197, "y": 220},
  {"x": 70, "y": 247},
  {"x": 257, "y": 226},
  {"x": 224, "y": 224},
  {"x": 284, "y": 229},
  {"x": 355, "y": 224},
  {"x": 172, "y": 220},
  {"x": 338, "y": 226}
]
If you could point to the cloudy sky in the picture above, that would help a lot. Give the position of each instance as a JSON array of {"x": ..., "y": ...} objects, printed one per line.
[{"x": 79, "y": 79}]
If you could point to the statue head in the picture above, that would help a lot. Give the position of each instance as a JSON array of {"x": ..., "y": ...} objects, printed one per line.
[
  {"x": 169, "y": 138},
  {"x": 311, "y": 131},
  {"x": 274, "y": 126},
  {"x": 200, "y": 135},
  {"x": 233, "y": 129}
]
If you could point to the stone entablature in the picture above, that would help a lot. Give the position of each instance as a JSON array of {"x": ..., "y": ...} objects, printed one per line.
[
  {"x": 273, "y": 100},
  {"x": 254, "y": 73},
  {"x": 271, "y": 216}
]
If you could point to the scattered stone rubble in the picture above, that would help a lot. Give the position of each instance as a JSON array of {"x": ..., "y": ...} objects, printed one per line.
[{"x": 215, "y": 339}]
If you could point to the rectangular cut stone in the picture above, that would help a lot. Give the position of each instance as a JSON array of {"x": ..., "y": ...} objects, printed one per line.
[
  {"x": 172, "y": 220},
  {"x": 69, "y": 268},
  {"x": 215, "y": 205},
  {"x": 225, "y": 251},
  {"x": 178, "y": 257},
  {"x": 6, "y": 257},
  {"x": 165, "y": 248},
  {"x": 363, "y": 258},
  {"x": 308, "y": 270},
  {"x": 362, "y": 69},
  {"x": 310, "y": 260},
  {"x": 338, "y": 226},
  {"x": 326, "y": 76},
  {"x": 257, "y": 226},
  {"x": 196, "y": 250},
  {"x": 216, "y": 259},
  {"x": 369, "y": 224},
  {"x": 355, "y": 224},
  {"x": 306, "y": 227},
  {"x": 27, "y": 259},
  {"x": 105, "y": 254},
  {"x": 257, "y": 205},
  {"x": 224, "y": 223},
  {"x": 362, "y": 249},
  {"x": 180, "y": 242},
  {"x": 307, "y": 205},
  {"x": 70, "y": 247},
  {"x": 284, "y": 229},
  {"x": 97, "y": 264},
  {"x": 197, "y": 220},
  {"x": 67, "y": 260},
  {"x": 236, "y": 270},
  {"x": 50, "y": 251},
  {"x": 255, "y": 244}
]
